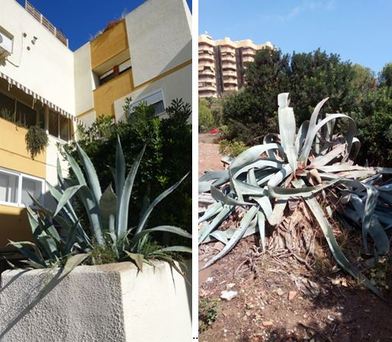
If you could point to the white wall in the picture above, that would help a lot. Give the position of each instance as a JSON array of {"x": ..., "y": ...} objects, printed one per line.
[
  {"x": 159, "y": 35},
  {"x": 52, "y": 153},
  {"x": 176, "y": 85},
  {"x": 110, "y": 303},
  {"x": 48, "y": 67},
  {"x": 84, "y": 100}
]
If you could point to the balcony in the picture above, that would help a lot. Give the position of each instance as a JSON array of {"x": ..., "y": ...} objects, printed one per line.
[
  {"x": 206, "y": 57},
  {"x": 248, "y": 59},
  {"x": 207, "y": 63},
  {"x": 228, "y": 73},
  {"x": 46, "y": 23},
  {"x": 228, "y": 65},
  {"x": 227, "y": 49},
  {"x": 228, "y": 58}
]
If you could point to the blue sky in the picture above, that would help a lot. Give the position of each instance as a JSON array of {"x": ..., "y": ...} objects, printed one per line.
[
  {"x": 80, "y": 20},
  {"x": 359, "y": 31}
]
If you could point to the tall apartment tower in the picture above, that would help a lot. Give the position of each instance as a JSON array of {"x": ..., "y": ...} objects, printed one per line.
[{"x": 222, "y": 64}]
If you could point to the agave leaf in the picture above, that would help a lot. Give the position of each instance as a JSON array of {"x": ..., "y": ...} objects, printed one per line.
[
  {"x": 60, "y": 177},
  {"x": 251, "y": 155},
  {"x": 119, "y": 172},
  {"x": 225, "y": 235},
  {"x": 323, "y": 160},
  {"x": 243, "y": 189},
  {"x": 66, "y": 197},
  {"x": 287, "y": 129},
  {"x": 265, "y": 205},
  {"x": 258, "y": 164},
  {"x": 123, "y": 208},
  {"x": 307, "y": 145},
  {"x": 219, "y": 196},
  {"x": 280, "y": 176},
  {"x": 168, "y": 229},
  {"x": 76, "y": 169},
  {"x": 368, "y": 211},
  {"x": 71, "y": 238},
  {"x": 245, "y": 222},
  {"x": 93, "y": 213},
  {"x": 108, "y": 207},
  {"x": 307, "y": 191},
  {"x": 211, "y": 211},
  {"x": 36, "y": 256},
  {"x": 339, "y": 256},
  {"x": 175, "y": 249},
  {"x": 222, "y": 215},
  {"x": 301, "y": 135},
  {"x": 380, "y": 238},
  {"x": 137, "y": 258},
  {"x": 220, "y": 235},
  {"x": 261, "y": 226},
  {"x": 204, "y": 187},
  {"x": 72, "y": 262},
  {"x": 214, "y": 175},
  {"x": 312, "y": 134},
  {"x": 92, "y": 177},
  {"x": 158, "y": 199}
]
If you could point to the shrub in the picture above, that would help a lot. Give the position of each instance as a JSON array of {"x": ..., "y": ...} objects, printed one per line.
[{"x": 231, "y": 148}]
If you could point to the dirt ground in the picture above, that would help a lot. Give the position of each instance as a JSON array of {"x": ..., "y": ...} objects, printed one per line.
[{"x": 281, "y": 298}]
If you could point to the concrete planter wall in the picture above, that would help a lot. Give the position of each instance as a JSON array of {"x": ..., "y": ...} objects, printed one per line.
[{"x": 104, "y": 303}]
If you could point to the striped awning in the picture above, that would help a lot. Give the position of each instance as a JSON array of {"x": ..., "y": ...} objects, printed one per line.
[{"x": 12, "y": 82}]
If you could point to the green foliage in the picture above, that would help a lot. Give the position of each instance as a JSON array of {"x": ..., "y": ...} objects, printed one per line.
[
  {"x": 386, "y": 76},
  {"x": 231, "y": 148},
  {"x": 36, "y": 140},
  {"x": 208, "y": 312},
  {"x": 206, "y": 119},
  {"x": 210, "y": 113},
  {"x": 375, "y": 128},
  {"x": 107, "y": 236},
  {"x": 6, "y": 114},
  {"x": 168, "y": 156},
  {"x": 318, "y": 158},
  {"x": 251, "y": 114}
]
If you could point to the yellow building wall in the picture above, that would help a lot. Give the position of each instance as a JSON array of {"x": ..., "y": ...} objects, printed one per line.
[
  {"x": 106, "y": 94},
  {"x": 14, "y": 226},
  {"x": 109, "y": 44},
  {"x": 13, "y": 155},
  {"x": 13, "y": 152}
]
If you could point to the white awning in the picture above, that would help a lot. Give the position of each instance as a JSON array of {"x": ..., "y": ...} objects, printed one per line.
[{"x": 38, "y": 97}]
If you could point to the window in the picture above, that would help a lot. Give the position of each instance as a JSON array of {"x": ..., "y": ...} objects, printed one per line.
[
  {"x": 7, "y": 107},
  {"x": 16, "y": 187},
  {"x": 25, "y": 115},
  {"x": 53, "y": 123},
  {"x": 65, "y": 128},
  {"x": 114, "y": 71},
  {"x": 32, "y": 187},
  {"x": 8, "y": 187},
  {"x": 155, "y": 100}
]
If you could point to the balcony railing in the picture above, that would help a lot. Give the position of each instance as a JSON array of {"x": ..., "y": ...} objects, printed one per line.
[{"x": 46, "y": 23}]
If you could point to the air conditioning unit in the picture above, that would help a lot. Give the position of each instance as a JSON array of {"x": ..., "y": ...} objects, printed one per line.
[{"x": 5, "y": 45}]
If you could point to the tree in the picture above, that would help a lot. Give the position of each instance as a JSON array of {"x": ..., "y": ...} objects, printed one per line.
[
  {"x": 206, "y": 119},
  {"x": 309, "y": 77},
  {"x": 167, "y": 157},
  {"x": 385, "y": 77}
]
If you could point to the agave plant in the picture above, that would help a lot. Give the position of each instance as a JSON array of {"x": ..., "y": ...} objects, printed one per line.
[
  {"x": 310, "y": 164},
  {"x": 59, "y": 233}
]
